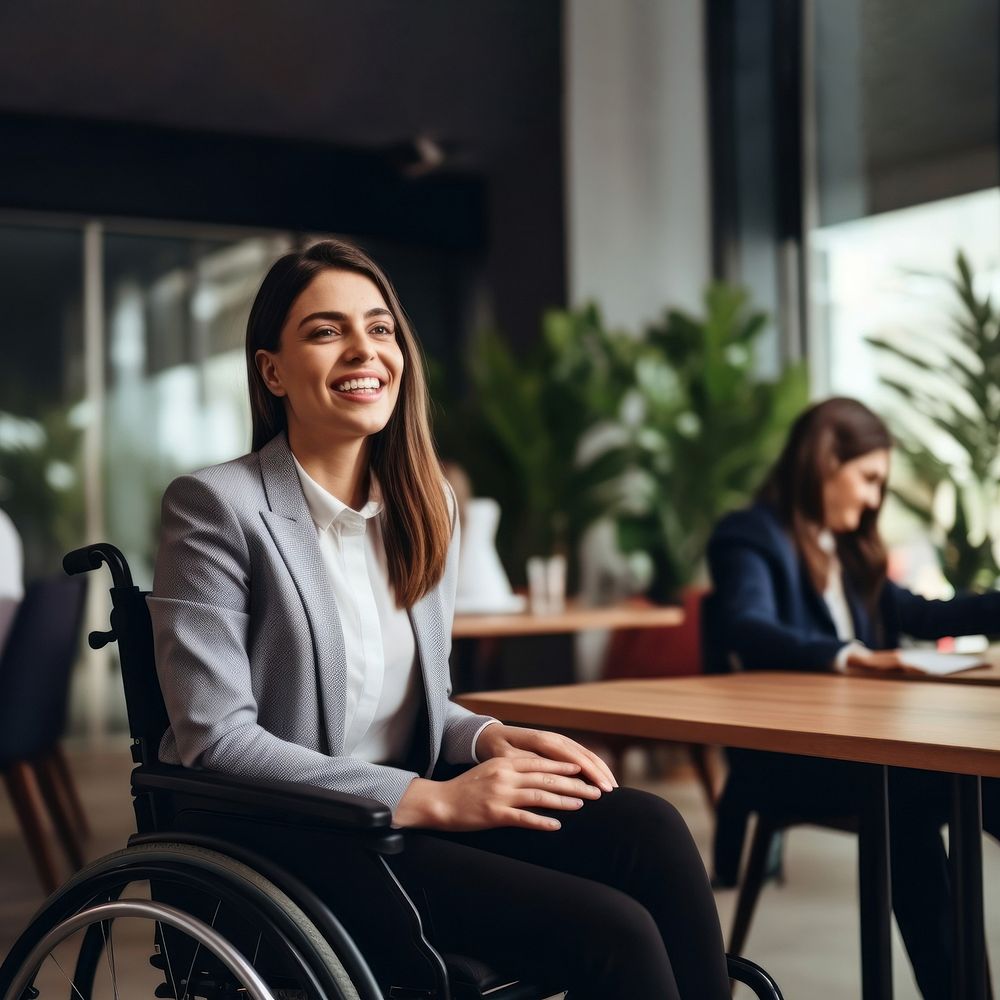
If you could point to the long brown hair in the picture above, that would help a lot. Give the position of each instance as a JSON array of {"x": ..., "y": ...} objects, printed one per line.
[
  {"x": 416, "y": 524},
  {"x": 821, "y": 439}
]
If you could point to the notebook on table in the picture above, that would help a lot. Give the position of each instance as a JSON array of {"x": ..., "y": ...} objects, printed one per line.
[{"x": 930, "y": 661}]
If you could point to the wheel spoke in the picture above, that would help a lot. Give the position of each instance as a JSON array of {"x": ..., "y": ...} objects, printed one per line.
[
  {"x": 65, "y": 976},
  {"x": 197, "y": 948},
  {"x": 109, "y": 952},
  {"x": 166, "y": 955}
]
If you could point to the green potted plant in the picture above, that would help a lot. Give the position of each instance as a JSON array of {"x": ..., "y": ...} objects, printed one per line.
[
  {"x": 519, "y": 429},
  {"x": 41, "y": 485},
  {"x": 661, "y": 432},
  {"x": 701, "y": 429},
  {"x": 950, "y": 436}
]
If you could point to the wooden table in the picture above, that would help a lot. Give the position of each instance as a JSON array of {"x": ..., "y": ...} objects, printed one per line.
[
  {"x": 576, "y": 617},
  {"x": 988, "y": 675},
  {"x": 479, "y": 637},
  {"x": 938, "y": 727}
]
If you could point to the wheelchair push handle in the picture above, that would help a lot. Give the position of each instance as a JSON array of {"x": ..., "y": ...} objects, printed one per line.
[{"x": 90, "y": 557}]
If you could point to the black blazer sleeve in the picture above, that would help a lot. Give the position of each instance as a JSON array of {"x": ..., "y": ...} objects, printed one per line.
[
  {"x": 747, "y": 572},
  {"x": 906, "y": 613}
]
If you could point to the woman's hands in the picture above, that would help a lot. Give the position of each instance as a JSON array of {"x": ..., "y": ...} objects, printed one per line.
[
  {"x": 498, "y": 792},
  {"x": 877, "y": 659},
  {"x": 497, "y": 740},
  {"x": 521, "y": 770}
]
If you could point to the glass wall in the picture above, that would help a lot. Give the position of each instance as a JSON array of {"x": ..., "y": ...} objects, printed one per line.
[
  {"x": 175, "y": 313},
  {"x": 902, "y": 112},
  {"x": 42, "y": 389},
  {"x": 124, "y": 366},
  {"x": 903, "y": 106}
]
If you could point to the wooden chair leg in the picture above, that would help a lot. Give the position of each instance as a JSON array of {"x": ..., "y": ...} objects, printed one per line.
[
  {"x": 753, "y": 880},
  {"x": 61, "y": 766},
  {"x": 701, "y": 759},
  {"x": 56, "y": 799},
  {"x": 27, "y": 801}
]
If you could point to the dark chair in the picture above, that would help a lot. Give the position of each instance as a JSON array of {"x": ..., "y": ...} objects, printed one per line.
[
  {"x": 764, "y": 859},
  {"x": 34, "y": 686},
  {"x": 292, "y": 880},
  {"x": 739, "y": 801}
]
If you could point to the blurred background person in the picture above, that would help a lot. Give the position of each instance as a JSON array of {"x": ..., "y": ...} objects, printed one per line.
[
  {"x": 11, "y": 576},
  {"x": 801, "y": 583}
]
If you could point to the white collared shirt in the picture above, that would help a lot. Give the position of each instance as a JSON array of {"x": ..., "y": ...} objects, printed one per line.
[
  {"x": 836, "y": 602},
  {"x": 383, "y": 689}
]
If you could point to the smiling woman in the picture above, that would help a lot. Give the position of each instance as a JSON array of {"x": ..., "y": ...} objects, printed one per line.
[
  {"x": 302, "y": 611},
  {"x": 327, "y": 363},
  {"x": 323, "y": 319}
]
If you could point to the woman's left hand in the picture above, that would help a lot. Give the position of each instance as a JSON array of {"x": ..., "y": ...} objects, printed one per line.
[{"x": 498, "y": 740}]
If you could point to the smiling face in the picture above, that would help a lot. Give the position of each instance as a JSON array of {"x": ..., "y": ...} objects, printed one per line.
[
  {"x": 856, "y": 486},
  {"x": 339, "y": 364}
]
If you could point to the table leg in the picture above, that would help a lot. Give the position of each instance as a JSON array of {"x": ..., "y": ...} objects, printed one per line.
[
  {"x": 966, "y": 859},
  {"x": 874, "y": 890}
]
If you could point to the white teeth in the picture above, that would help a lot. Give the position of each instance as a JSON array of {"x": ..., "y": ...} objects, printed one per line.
[{"x": 358, "y": 384}]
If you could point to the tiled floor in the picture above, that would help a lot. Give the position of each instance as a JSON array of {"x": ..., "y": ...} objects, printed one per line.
[{"x": 805, "y": 934}]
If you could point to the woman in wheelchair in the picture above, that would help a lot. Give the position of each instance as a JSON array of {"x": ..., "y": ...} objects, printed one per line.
[{"x": 302, "y": 610}]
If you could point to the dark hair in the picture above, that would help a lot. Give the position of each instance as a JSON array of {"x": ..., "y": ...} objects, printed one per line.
[
  {"x": 416, "y": 525},
  {"x": 823, "y": 438}
]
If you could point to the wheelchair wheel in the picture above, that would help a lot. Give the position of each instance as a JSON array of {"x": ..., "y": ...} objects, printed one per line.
[
  {"x": 216, "y": 897},
  {"x": 245, "y": 978}
]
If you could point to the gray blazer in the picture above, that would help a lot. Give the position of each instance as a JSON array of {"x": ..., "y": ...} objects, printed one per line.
[{"x": 249, "y": 647}]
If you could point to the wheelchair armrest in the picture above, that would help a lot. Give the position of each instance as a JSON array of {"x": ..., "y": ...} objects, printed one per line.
[{"x": 291, "y": 799}]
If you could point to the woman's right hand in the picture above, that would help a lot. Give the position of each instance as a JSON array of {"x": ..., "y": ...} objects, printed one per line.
[
  {"x": 499, "y": 792},
  {"x": 876, "y": 659}
]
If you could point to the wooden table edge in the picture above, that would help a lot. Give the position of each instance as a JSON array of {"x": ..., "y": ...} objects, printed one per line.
[
  {"x": 867, "y": 750},
  {"x": 573, "y": 619}
]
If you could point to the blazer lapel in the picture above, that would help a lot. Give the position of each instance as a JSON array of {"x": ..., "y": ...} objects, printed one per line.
[
  {"x": 291, "y": 526},
  {"x": 427, "y": 619},
  {"x": 817, "y": 602}
]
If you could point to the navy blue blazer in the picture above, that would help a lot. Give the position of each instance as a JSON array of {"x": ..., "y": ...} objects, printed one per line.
[{"x": 766, "y": 610}]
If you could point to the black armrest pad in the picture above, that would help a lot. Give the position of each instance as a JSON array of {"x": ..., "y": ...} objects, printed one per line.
[{"x": 293, "y": 799}]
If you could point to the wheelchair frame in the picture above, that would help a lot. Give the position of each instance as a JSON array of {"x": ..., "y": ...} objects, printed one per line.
[{"x": 202, "y": 832}]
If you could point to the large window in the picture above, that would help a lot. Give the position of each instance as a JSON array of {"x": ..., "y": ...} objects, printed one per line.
[
  {"x": 41, "y": 387},
  {"x": 901, "y": 101},
  {"x": 123, "y": 367},
  {"x": 856, "y": 154},
  {"x": 175, "y": 311}
]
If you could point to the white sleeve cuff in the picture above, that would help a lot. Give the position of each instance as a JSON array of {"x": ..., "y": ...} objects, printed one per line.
[
  {"x": 840, "y": 661},
  {"x": 475, "y": 739}
]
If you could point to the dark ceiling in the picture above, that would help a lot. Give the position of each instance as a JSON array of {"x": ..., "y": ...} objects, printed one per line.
[
  {"x": 929, "y": 79},
  {"x": 357, "y": 74},
  {"x": 277, "y": 113}
]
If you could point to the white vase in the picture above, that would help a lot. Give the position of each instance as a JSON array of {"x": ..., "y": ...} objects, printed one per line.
[{"x": 483, "y": 586}]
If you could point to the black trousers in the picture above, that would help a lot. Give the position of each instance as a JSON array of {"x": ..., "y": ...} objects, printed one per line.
[
  {"x": 919, "y": 805},
  {"x": 615, "y": 904}
]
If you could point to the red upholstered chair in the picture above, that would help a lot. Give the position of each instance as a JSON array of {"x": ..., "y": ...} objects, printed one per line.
[{"x": 664, "y": 652}]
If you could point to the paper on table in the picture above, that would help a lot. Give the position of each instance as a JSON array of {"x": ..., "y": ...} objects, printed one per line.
[{"x": 930, "y": 661}]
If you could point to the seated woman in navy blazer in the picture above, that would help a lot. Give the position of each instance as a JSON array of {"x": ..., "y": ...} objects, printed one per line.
[
  {"x": 302, "y": 612},
  {"x": 800, "y": 584}
]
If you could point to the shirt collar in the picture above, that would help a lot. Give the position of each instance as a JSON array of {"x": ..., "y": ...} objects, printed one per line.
[
  {"x": 326, "y": 509},
  {"x": 826, "y": 541}
]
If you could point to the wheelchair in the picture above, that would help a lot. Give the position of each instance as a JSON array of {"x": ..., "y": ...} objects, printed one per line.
[{"x": 233, "y": 888}]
